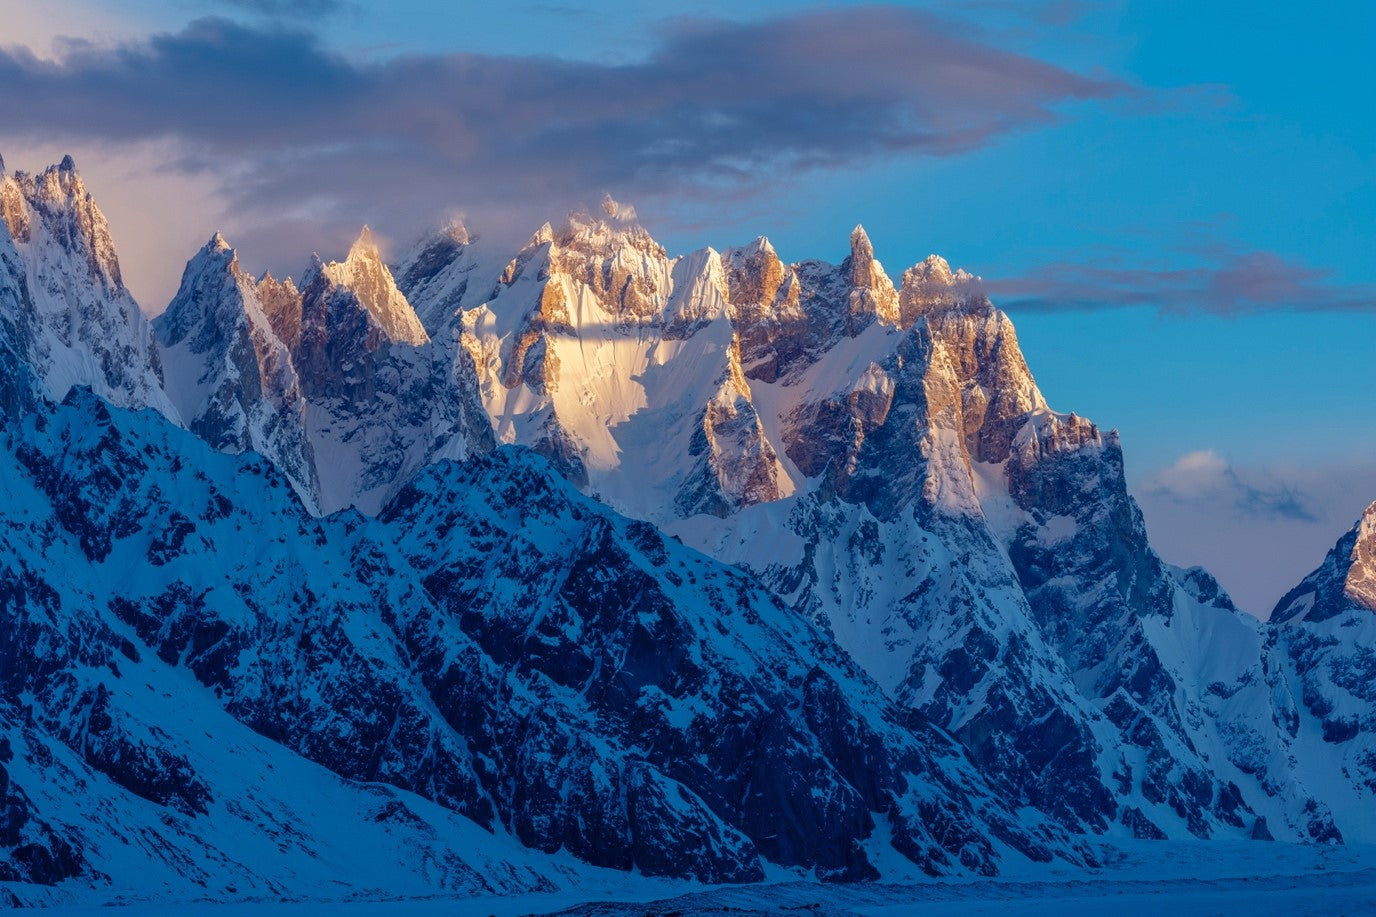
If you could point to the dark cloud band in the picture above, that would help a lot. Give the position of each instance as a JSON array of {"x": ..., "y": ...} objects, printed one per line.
[{"x": 713, "y": 105}]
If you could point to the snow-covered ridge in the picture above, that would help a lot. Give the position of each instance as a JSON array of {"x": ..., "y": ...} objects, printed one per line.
[
  {"x": 492, "y": 687},
  {"x": 922, "y": 550}
]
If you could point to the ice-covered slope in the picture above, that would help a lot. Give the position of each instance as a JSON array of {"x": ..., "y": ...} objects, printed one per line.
[
  {"x": 84, "y": 327},
  {"x": 495, "y": 653}
]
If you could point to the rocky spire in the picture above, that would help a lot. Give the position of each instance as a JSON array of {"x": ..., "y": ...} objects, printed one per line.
[
  {"x": 364, "y": 272},
  {"x": 88, "y": 328},
  {"x": 872, "y": 292}
]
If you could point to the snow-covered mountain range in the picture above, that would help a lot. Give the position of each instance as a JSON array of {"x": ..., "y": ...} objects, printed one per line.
[{"x": 484, "y": 571}]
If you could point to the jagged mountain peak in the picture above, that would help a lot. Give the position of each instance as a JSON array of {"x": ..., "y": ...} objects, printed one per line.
[
  {"x": 760, "y": 245},
  {"x": 365, "y": 246},
  {"x": 860, "y": 245},
  {"x": 208, "y": 279},
  {"x": 613, "y": 228},
  {"x": 364, "y": 273},
  {"x": 61, "y": 186},
  {"x": 86, "y": 327},
  {"x": 614, "y": 210},
  {"x": 58, "y": 199},
  {"x": 932, "y": 269},
  {"x": 542, "y": 236},
  {"x": 935, "y": 270},
  {"x": 932, "y": 284},
  {"x": 872, "y": 294},
  {"x": 266, "y": 279}
]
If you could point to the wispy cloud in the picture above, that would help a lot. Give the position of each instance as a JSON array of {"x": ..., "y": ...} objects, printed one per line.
[
  {"x": 1206, "y": 477},
  {"x": 1216, "y": 279},
  {"x": 715, "y": 106},
  {"x": 1260, "y": 529}
]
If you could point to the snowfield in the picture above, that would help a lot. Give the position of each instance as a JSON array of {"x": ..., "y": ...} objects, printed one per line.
[{"x": 1144, "y": 880}]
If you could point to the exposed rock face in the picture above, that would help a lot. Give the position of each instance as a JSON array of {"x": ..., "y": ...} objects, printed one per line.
[
  {"x": 80, "y": 325},
  {"x": 763, "y": 294}
]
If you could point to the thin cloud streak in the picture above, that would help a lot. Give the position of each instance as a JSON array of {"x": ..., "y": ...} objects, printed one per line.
[{"x": 1228, "y": 282}]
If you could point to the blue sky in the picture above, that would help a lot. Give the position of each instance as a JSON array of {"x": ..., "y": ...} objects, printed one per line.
[{"x": 1175, "y": 201}]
